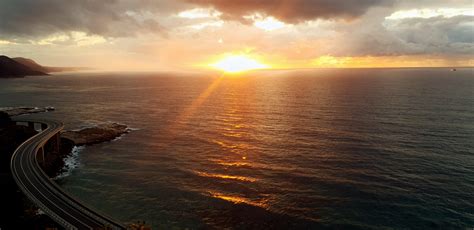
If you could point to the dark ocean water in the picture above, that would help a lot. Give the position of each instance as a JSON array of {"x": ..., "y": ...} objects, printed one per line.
[{"x": 308, "y": 149}]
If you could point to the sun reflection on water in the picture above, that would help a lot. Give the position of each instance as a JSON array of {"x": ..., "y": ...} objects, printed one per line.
[
  {"x": 225, "y": 177},
  {"x": 234, "y": 164},
  {"x": 238, "y": 199}
]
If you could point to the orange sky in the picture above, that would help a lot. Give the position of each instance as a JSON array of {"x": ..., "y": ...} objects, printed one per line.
[{"x": 187, "y": 35}]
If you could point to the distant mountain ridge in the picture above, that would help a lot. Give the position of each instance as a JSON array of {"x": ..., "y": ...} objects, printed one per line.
[
  {"x": 45, "y": 69},
  {"x": 31, "y": 64},
  {"x": 10, "y": 68},
  {"x": 20, "y": 67}
]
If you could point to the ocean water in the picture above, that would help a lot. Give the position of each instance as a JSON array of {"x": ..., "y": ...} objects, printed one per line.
[{"x": 368, "y": 149}]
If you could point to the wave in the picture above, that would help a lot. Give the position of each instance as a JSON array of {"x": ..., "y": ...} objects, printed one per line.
[{"x": 71, "y": 162}]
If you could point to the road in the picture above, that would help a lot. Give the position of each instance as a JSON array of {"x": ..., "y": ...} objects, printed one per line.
[{"x": 45, "y": 193}]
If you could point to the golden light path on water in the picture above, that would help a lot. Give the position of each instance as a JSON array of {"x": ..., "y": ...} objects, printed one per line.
[
  {"x": 179, "y": 124},
  {"x": 237, "y": 199}
]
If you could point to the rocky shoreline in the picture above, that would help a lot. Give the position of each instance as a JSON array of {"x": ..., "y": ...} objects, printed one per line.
[
  {"x": 72, "y": 139},
  {"x": 83, "y": 137},
  {"x": 17, "y": 111}
]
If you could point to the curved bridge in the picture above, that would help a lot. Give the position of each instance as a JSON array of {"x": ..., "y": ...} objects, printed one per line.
[{"x": 45, "y": 193}]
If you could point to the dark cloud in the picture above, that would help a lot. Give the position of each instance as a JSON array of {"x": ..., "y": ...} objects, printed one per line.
[
  {"x": 410, "y": 36},
  {"x": 293, "y": 11},
  {"x": 438, "y": 35},
  {"x": 112, "y": 18}
]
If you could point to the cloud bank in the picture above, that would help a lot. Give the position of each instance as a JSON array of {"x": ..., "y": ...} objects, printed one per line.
[
  {"x": 188, "y": 31},
  {"x": 293, "y": 11},
  {"x": 111, "y": 18}
]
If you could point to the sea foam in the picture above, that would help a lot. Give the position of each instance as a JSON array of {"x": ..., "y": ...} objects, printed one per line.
[{"x": 71, "y": 162}]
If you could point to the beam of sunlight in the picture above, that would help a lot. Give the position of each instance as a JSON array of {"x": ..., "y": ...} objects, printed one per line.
[{"x": 182, "y": 118}]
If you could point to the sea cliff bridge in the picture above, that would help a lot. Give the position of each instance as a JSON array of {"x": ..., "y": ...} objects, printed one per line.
[{"x": 45, "y": 193}]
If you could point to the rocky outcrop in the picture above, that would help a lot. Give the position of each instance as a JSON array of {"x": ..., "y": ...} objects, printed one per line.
[
  {"x": 96, "y": 134},
  {"x": 16, "y": 111}
]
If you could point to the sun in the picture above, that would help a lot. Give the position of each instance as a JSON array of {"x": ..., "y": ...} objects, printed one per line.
[{"x": 238, "y": 63}]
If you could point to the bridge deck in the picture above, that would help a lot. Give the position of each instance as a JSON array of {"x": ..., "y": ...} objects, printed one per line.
[{"x": 45, "y": 193}]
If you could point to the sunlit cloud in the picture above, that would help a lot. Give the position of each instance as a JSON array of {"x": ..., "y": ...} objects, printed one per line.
[
  {"x": 82, "y": 39},
  {"x": 199, "y": 13},
  {"x": 430, "y": 13},
  {"x": 203, "y": 25},
  {"x": 57, "y": 38},
  {"x": 330, "y": 61},
  {"x": 265, "y": 23},
  {"x": 269, "y": 24},
  {"x": 5, "y": 42},
  {"x": 205, "y": 17},
  {"x": 73, "y": 38}
]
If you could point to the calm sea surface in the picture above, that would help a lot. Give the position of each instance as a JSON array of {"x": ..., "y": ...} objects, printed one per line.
[{"x": 271, "y": 150}]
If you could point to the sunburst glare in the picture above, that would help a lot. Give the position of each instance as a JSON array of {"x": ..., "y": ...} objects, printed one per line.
[{"x": 238, "y": 63}]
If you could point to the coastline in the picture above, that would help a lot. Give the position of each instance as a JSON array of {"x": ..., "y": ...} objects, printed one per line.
[{"x": 57, "y": 166}]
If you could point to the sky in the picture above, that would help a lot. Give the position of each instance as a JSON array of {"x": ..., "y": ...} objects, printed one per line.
[{"x": 205, "y": 34}]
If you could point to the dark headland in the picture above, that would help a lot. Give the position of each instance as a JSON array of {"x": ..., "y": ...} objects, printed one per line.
[
  {"x": 21, "y": 67},
  {"x": 10, "y": 68}
]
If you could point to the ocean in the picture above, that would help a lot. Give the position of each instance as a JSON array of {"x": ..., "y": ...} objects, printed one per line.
[{"x": 306, "y": 149}]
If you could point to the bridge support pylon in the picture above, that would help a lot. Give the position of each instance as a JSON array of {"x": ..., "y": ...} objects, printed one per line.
[{"x": 41, "y": 153}]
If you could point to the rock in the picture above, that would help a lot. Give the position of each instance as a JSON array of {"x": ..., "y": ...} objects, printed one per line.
[
  {"x": 16, "y": 111},
  {"x": 97, "y": 134}
]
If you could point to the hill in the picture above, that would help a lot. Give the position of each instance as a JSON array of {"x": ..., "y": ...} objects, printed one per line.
[
  {"x": 31, "y": 64},
  {"x": 10, "y": 68},
  {"x": 45, "y": 69}
]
